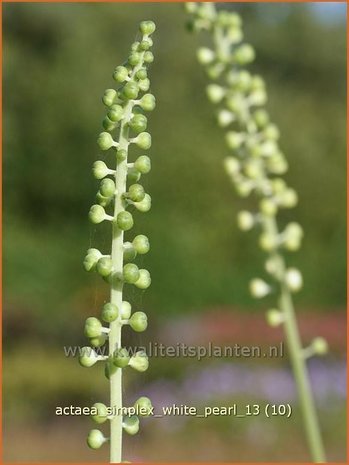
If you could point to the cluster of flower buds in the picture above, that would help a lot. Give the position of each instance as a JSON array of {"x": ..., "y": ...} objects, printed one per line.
[
  {"x": 257, "y": 162},
  {"x": 119, "y": 192},
  {"x": 130, "y": 423}
]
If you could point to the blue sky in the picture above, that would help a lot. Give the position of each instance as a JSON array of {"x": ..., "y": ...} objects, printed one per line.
[{"x": 329, "y": 12}]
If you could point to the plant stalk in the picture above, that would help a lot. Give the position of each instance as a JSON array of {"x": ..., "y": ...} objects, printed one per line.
[
  {"x": 116, "y": 299},
  {"x": 117, "y": 284},
  {"x": 298, "y": 362}
]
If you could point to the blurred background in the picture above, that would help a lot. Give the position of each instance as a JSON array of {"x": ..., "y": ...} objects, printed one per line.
[{"x": 58, "y": 59}]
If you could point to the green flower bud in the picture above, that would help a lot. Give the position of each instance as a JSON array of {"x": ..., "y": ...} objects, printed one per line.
[
  {"x": 269, "y": 148},
  {"x": 144, "y": 280},
  {"x": 293, "y": 279},
  {"x": 115, "y": 113},
  {"x": 129, "y": 252},
  {"x": 231, "y": 166},
  {"x": 288, "y": 198},
  {"x": 130, "y": 273},
  {"x": 271, "y": 132},
  {"x": 268, "y": 207},
  {"x": 139, "y": 322},
  {"x": 136, "y": 193},
  {"x": 244, "y": 188},
  {"x": 147, "y": 102},
  {"x": 120, "y": 74},
  {"x": 91, "y": 259},
  {"x": 223, "y": 18},
  {"x": 147, "y": 27},
  {"x": 95, "y": 439},
  {"x": 272, "y": 266},
  {"x": 146, "y": 44},
  {"x": 144, "y": 205},
  {"x": 124, "y": 220},
  {"x": 141, "y": 244},
  {"x": 142, "y": 74},
  {"x": 121, "y": 155},
  {"x": 237, "y": 105},
  {"x": 107, "y": 187},
  {"x": 135, "y": 46},
  {"x": 93, "y": 327},
  {"x": 215, "y": 70},
  {"x": 234, "y": 20},
  {"x": 258, "y": 97},
  {"x": 191, "y": 7},
  {"x": 110, "y": 369},
  {"x": 277, "y": 164},
  {"x": 100, "y": 170},
  {"x": 259, "y": 288},
  {"x": 110, "y": 312},
  {"x": 130, "y": 90},
  {"x": 88, "y": 357},
  {"x": 131, "y": 424},
  {"x": 98, "y": 341},
  {"x": 148, "y": 57},
  {"x": 224, "y": 118},
  {"x": 104, "y": 266},
  {"x": 253, "y": 169},
  {"x": 215, "y": 93},
  {"x": 143, "y": 140},
  {"x": 292, "y": 236},
  {"x": 144, "y": 406},
  {"x": 235, "y": 35},
  {"x": 105, "y": 141},
  {"x": 241, "y": 80},
  {"x": 97, "y": 214},
  {"x": 109, "y": 97},
  {"x": 234, "y": 139},
  {"x": 134, "y": 58},
  {"x": 278, "y": 185},
  {"x": 268, "y": 242},
  {"x": 319, "y": 346},
  {"x": 108, "y": 125},
  {"x": 101, "y": 415},
  {"x": 261, "y": 118},
  {"x": 294, "y": 229},
  {"x": 125, "y": 311},
  {"x": 143, "y": 164},
  {"x": 274, "y": 317},
  {"x": 257, "y": 83},
  {"x": 144, "y": 85},
  {"x": 244, "y": 54},
  {"x": 138, "y": 123},
  {"x": 205, "y": 55},
  {"x": 139, "y": 361},
  {"x": 121, "y": 358},
  {"x": 103, "y": 201},
  {"x": 133, "y": 175},
  {"x": 245, "y": 220}
]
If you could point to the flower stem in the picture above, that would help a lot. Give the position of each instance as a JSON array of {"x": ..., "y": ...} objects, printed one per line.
[
  {"x": 117, "y": 285},
  {"x": 116, "y": 299},
  {"x": 301, "y": 375},
  {"x": 298, "y": 362}
]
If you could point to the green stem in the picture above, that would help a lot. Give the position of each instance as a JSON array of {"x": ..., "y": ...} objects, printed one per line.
[
  {"x": 300, "y": 370},
  {"x": 117, "y": 285},
  {"x": 116, "y": 297}
]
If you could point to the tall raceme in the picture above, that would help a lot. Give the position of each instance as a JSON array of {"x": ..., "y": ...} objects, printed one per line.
[
  {"x": 255, "y": 168},
  {"x": 119, "y": 192}
]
